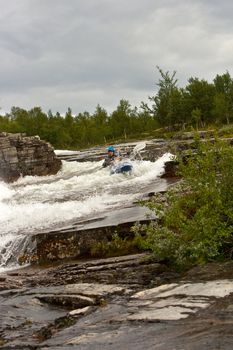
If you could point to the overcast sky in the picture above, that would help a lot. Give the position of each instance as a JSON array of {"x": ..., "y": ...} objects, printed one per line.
[{"x": 79, "y": 53}]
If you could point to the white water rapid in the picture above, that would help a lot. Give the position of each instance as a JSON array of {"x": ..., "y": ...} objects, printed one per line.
[{"x": 78, "y": 191}]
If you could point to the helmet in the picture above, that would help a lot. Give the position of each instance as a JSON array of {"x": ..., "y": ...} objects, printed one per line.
[{"x": 111, "y": 149}]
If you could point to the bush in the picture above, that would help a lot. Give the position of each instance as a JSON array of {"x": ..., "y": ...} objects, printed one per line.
[
  {"x": 115, "y": 247},
  {"x": 195, "y": 222}
]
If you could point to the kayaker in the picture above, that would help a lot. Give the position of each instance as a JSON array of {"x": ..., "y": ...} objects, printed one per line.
[{"x": 111, "y": 157}]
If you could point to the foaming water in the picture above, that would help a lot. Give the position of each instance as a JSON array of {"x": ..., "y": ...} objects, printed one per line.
[{"x": 79, "y": 190}]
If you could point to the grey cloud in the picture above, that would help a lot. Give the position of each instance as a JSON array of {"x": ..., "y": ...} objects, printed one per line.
[{"x": 81, "y": 53}]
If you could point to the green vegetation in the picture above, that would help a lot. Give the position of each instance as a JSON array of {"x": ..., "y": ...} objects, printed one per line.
[
  {"x": 83, "y": 130},
  {"x": 195, "y": 219},
  {"x": 197, "y": 105},
  {"x": 116, "y": 246}
]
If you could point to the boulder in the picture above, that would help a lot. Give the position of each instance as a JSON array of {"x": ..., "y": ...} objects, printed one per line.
[
  {"x": 170, "y": 169},
  {"x": 21, "y": 155}
]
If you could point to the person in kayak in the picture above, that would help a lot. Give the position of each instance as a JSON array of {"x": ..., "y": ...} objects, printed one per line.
[{"x": 111, "y": 157}]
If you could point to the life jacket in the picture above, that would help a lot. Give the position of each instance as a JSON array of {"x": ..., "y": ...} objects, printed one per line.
[{"x": 109, "y": 160}]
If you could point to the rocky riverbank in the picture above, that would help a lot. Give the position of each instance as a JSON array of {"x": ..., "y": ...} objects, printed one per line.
[
  {"x": 130, "y": 302},
  {"x": 21, "y": 155},
  {"x": 133, "y": 302}
]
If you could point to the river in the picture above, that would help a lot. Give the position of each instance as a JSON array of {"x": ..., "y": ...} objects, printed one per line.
[{"x": 80, "y": 190}]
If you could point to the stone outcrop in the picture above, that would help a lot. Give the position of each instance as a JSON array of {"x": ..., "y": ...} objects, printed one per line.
[
  {"x": 152, "y": 150},
  {"x": 130, "y": 303},
  {"x": 81, "y": 239},
  {"x": 191, "y": 135},
  {"x": 170, "y": 169},
  {"x": 21, "y": 156}
]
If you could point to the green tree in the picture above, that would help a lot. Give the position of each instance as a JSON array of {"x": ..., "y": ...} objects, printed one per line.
[
  {"x": 85, "y": 129},
  {"x": 68, "y": 122},
  {"x": 223, "y": 103},
  {"x": 199, "y": 94},
  {"x": 19, "y": 119},
  {"x": 165, "y": 101},
  {"x": 101, "y": 124},
  {"x": 196, "y": 116},
  {"x": 120, "y": 120},
  {"x": 38, "y": 122}
]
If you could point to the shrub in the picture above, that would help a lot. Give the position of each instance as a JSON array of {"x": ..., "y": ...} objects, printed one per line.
[
  {"x": 195, "y": 222},
  {"x": 115, "y": 247}
]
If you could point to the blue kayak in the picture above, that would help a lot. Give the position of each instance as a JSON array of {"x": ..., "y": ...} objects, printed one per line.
[{"x": 123, "y": 166}]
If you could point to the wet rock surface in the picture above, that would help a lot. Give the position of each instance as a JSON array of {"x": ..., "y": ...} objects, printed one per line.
[
  {"x": 80, "y": 238},
  {"x": 21, "y": 155},
  {"x": 150, "y": 150},
  {"x": 129, "y": 302}
]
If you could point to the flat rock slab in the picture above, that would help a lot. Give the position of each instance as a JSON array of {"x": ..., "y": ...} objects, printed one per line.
[
  {"x": 88, "y": 289},
  {"x": 27, "y": 314},
  {"x": 176, "y": 301},
  {"x": 209, "y": 324},
  {"x": 133, "y": 271},
  {"x": 183, "y": 314}
]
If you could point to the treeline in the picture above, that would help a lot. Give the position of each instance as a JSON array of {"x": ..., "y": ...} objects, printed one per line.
[
  {"x": 79, "y": 131},
  {"x": 197, "y": 105}
]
